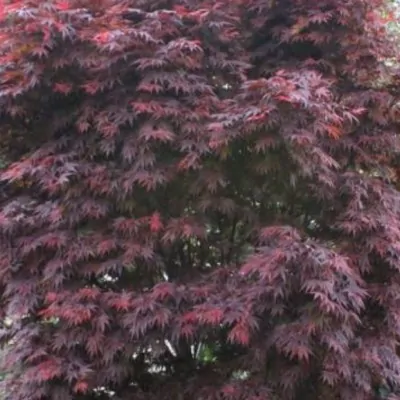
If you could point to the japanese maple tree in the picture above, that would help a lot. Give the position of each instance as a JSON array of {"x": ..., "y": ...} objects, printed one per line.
[{"x": 199, "y": 200}]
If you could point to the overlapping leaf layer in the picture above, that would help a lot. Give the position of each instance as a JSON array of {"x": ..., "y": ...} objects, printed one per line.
[{"x": 199, "y": 201}]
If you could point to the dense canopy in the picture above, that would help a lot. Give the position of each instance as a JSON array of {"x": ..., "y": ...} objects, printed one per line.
[{"x": 198, "y": 200}]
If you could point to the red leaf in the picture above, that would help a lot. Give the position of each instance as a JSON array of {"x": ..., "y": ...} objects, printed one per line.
[
  {"x": 63, "y": 88},
  {"x": 102, "y": 37},
  {"x": 106, "y": 246},
  {"x": 51, "y": 297},
  {"x": 359, "y": 111},
  {"x": 181, "y": 10},
  {"x": 190, "y": 317},
  {"x": 122, "y": 302},
  {"x": 161, "y": 133},
  {"x": 213, "y": 317},
  {"x": 89, "y": 293},
  {"x": 258, "y": 117},
  {"x": 187, "y": 332},
  {"x": 229, "y": 391},
  {"x": 63, "y": 5},
  {"x": 284, "y": 98},
  {"x": 91, "y": 87},
  {"x": 81, "y": 387},
  {"x": 48, "y": 370},
  {"x": 163, "y": 291},
  {"x": 155, "y": 223},
  {"x": 239, "y": 334}
]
